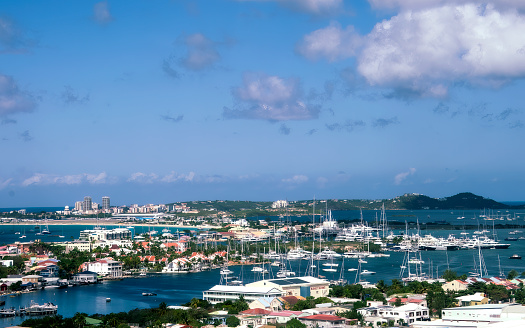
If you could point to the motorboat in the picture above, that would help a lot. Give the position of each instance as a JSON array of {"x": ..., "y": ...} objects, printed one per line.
[
  {"x": 367, "y": 272},
  {"x": 515, "y": 257}
]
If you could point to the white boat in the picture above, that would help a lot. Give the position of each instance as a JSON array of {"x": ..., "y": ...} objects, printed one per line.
[
  {"x": 226, "y": 271},
  {"x": 330, "y": 270},
  {"x": 362, "y": 261},
  {"x": 352, "y": 269},
  {"x": 331, "y": 264},
  {"x": 367, "y": 272}
]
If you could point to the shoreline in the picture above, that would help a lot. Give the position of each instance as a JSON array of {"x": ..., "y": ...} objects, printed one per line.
[{"x": 95, "y": 222}]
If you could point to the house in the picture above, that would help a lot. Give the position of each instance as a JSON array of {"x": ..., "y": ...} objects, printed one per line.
[
  {"x": 409, "y": 313},
  {"x": 289, "y": 301},
  {"x": 35, "y": 279},
  {"x": 421, "y": 300},
  {"x": 323, "y": 321},
  {"x": 284, "y": 316},
  {"x": 469, "y": 300},
  {"x": 298, "y": 286},
  {"x": 266, "y": 303},
  {"x": 455, "y": 286},
  {"x": 105, "y": 267}
]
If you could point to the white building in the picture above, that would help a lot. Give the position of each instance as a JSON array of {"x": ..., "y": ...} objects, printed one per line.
[
  {"x": 280, "y": 204},
  {"x": 476, "y": 316},
  {"x": 409, "y": 313},
  {"x": 106, "y": 267},
  {"x": 103, "y": 234},
  {"x": 222, "y": 293},
  {"x": 105, "y": 203},
  {"x": 297, "y": 286}
]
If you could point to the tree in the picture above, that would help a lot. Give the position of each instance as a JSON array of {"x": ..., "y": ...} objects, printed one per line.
[
  {"x": 295, "y": 323},
  {"x": 232, "y": 321},
  {"x": 79, "y": 320},
  {"x": 512, "y": 274},
  {"x": 398, "y": 302},
  {"x": 449, "y": 275}
]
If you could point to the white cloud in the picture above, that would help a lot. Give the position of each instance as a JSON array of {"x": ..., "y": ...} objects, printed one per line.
[
  {"x": 5, "y": 183},
  {"x": 296, "y": 179},
  {"x": 202, "y": 52},
  {"x": 428, "y": 49},
  {"x": 402, "y": 176},
  {"x": 97, "y": 178},
  {"x": 332, "y": 42},
  {"x": 101, "y": 13},
  {"x": 422, "y": 51},
  {"x": 421, "y": 4},
  {"x": 174, "y": 177},
  {"x": 272, "y": 98},
  {"x": 74, "y": 179},
  {"x": 12, "y": 99},
  {"x": 316, "y": 7},
  {"x": 143, "y": 177}
]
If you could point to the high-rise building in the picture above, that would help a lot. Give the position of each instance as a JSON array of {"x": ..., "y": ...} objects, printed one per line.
[
  {"x": 105, "y": 203},
  {"x": 78, "y": 206},
  {"x": 86, "y": 205}
]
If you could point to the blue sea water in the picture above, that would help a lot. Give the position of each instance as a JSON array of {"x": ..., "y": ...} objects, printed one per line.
[{"x": 175, "y": 289}]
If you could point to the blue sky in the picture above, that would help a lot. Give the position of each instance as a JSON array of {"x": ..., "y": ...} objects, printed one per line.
[{"x": 160, "y": 101}]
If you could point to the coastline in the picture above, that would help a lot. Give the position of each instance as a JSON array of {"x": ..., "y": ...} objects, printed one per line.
[{"x": 109, "y": 223}]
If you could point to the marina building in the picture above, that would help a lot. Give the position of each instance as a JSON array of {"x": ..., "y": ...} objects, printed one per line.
[
  {"x": 300, "y": 286},
  {"x": 223, "y": 293},
  {"x": 103, "y": 234}
]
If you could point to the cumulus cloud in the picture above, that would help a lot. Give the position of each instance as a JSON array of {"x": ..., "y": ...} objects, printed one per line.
[
  {"x": 332, "y": 42},
  {"x": 272, "y": 98},
  {"x": 426, "y": 50},
  {"x": 12, "y": 99},
  {"x": 201, "y": 52},
  {"x": 402, "y": 176},
  {"x": 143, "y": 177},
  {"x": 101, "y": 13},
  {"x": 75, "y": 179},
  {"x": 423, "y": 50},
  {"x": 70, "y": 96},
  {"x": 315, "y": 7},
  {"x": 421, "y": 4},
  {"x": 296, "y": 179},
  {"x": 174, "y": 177}
]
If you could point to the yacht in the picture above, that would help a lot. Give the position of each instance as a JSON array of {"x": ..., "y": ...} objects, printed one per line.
[{"x": 365, "y": 271}]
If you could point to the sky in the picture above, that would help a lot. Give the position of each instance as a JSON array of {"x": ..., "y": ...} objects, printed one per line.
[{"x": 164, "y": 101}]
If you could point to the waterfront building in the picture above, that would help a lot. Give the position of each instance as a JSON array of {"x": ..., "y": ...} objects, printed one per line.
[
  {"x": 488, "y": 315},
  {"x": 85, "y": 277},
  {"x": 103, "y": 234},
  {"x": 78, "y": 206},
  {"x": 300, "y": 286},
  {"x": 223, "y": 293},
  {"x": 105, "y": 267},
  {"x": 105, "y": 203}
]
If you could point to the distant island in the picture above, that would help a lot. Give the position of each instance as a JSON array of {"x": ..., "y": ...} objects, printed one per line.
[{"x": 461, "y": 201}]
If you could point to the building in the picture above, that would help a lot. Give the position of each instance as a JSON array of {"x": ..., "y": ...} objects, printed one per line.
[
  {"x": 300, "y": 286},
  {"x": 280, "y": 204},
  {"x": 266, "y": 303},
  {"x": 85, "y": 277},
  {"x": 469, "y": 300},
  {"x": 488, "y": 315},
  {"x": 222, "y": 293},
  {"x": 105, "y": 203},
  {"x": 105, "y": 267},
  {"x": 408, "y": 313},
  {"x": 87, "y": 205},
  {"x": 323, "y": 321},
  {"x": 103, "y": 234},
  {"x": 78, "y": 206},
  {"x": 455, "y": 286}
]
